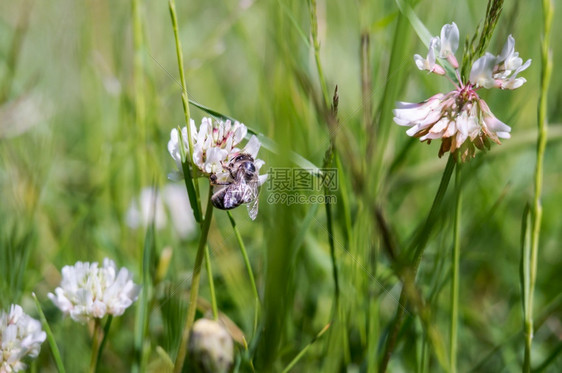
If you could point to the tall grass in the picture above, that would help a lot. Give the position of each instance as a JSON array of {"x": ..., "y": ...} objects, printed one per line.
[{"x": 392, "y": 277}]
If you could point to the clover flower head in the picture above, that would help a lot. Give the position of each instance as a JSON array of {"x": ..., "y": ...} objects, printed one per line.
[
  {"x": 460, "y": 118},
  {"x": 20, "y": 337},
  {"x": 89, "y": 291},
  {"x": 155, "y": 206},
  {"x": 215, "y": 144}
]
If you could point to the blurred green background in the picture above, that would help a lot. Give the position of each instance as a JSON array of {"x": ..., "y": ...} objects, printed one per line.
[{"x": 89, "y": 94}]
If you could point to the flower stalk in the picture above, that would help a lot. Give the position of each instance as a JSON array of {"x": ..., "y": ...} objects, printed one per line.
[
  {"x": 209, "y": 268},
  {"x": 456, "y": 273},
  {"x": 96, "y": 343},
  {"x": 104, "y": 339},
  {"x": 536, "y": 208},
  {"x": 194, "y": 291},
  {"x": 418, "y": 246},
  {"x": 190, "y": 181}
]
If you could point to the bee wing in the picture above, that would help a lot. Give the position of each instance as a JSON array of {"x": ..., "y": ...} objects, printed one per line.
[
  {"x": 253, "y": 208},
  {"x": 250, "y": 196}
]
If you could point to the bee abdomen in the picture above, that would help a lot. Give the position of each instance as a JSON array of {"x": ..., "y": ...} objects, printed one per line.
[{"x": 227, "y": 199}]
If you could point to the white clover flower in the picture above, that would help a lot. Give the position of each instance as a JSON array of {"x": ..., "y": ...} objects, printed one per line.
[
  {"x": 177, "y": 203},
  {"x": 154, "y": 206},
  {"x": 20, "y": 337},
  {"x": 146, "y": 209},
  {"x": 88, "y": 291},
  {"x": 216, "y": 155},
  {"x": 214, "y": 142},
  {"x": 215, "y": 145},
  {"x": 460, "y": 118}
]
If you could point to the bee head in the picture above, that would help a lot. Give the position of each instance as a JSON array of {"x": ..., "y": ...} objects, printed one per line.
[{"x": 243, "y": 157}]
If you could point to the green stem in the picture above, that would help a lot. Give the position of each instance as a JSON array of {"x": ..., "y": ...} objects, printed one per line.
[
  {"x": 536, "y": 211},
  {"x": 96, "y": 343},
  {"x": 194, "y": 291},
  {"x": 104, "y": 339},
  {"x": 316, "y": 45},
  {"x": 456, "y": 264},
  {"x": 211, "y": 283},
  {"x": 332, "y": 250},
  {"x": 195, "y": 200},
  {"x": 420, "y": 241},
  {"x": 248, "y": 268}
]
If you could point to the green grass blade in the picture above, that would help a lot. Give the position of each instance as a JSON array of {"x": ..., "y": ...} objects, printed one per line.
[
  {"x": 50, "y": 337},
  {"x": 141, "y": 321},
  {"x": 305, "y": 349}
]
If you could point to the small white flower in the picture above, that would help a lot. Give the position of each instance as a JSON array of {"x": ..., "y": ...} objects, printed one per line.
[
  {"x": 146, "y": 209},
  {"x": 449, "y": 43},
  {"x": 20, "y": 336},
  {"x": 481, "y": 72},
  {"x": 508, "y": 59},
  {"x": 176, "y": 201},
  {"x": 156, "y": 206},
  {"x": 87, "y": 291},
  {"x": 500, "y": 71},
  {"x": 428, "y": 63}
]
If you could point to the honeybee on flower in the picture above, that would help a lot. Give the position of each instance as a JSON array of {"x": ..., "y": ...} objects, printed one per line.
[
  {"x": 233, "y": 172},
  {"x": 460, "y": 118}
]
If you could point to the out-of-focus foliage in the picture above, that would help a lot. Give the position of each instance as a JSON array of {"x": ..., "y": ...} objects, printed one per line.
[{"x": 85, "y": 116}]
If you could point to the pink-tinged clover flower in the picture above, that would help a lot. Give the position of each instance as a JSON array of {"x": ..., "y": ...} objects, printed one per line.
[{"x": 460, "y": 118}]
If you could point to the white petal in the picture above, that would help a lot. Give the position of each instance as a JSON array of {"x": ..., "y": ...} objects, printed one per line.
[
  {"x": 449, "y": 40},
  {"x": 262, "y": 179},
  {"x": 252, "y": 147},
  {"x": 412, "y": 131},
  {"x": 481, "y": 72},
  {"x": 507, "y": 50}
]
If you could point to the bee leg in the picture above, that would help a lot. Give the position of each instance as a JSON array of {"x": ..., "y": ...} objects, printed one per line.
[{"x": 213, "y": 180}]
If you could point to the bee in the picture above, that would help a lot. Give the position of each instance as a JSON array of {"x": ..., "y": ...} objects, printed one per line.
[{"x": 241, "y": 187}]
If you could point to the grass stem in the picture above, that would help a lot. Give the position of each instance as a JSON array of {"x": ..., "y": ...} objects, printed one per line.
[
  {"x": 194, "y": 291},
  {"x": 104, "y": 339},
  {"x": 536, "y": 209},
  {"x": 209, "y": 269},
  {"x": 456, "y": 272},
  {"x": 96, "y": 343},
  {"x": 191, "y": 182},
  {"x": 50, "y": 337},
  {"x": 419, "y": 245}
]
